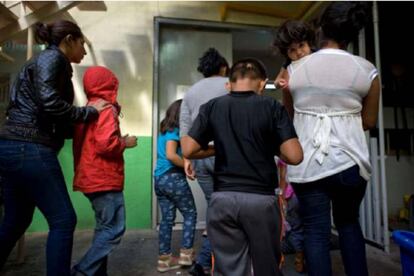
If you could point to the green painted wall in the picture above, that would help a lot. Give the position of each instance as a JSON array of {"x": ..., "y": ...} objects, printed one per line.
[{"x": 138, "y": 190}]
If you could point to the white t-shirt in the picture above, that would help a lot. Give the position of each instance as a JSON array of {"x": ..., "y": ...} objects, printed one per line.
[{"x": 327, "y": 89}]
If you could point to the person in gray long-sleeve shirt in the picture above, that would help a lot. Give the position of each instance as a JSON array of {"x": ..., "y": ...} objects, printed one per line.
[
  {"x": 214, "y": 68},
  {"x": 198, "y": 94}
]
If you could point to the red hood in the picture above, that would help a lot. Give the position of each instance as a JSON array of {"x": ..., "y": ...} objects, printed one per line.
[{"x": 100, "y": 83}]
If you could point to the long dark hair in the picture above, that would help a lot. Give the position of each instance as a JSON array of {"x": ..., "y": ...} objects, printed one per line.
[
  {"x": 54, "y": 33},
  {"x": 172, "y": 117},
  {"x": 342, "y": 21}
]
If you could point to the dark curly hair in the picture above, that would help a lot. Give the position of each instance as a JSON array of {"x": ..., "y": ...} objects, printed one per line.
[
  {"x": 293, "y": 31},
  {"x": 211, "y": 62},
  {"x": 172, "y": 117},
  {"x": 342, "y": 21}
]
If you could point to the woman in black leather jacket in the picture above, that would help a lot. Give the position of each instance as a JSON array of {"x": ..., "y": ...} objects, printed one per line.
[{"x": 40, "y": 116}]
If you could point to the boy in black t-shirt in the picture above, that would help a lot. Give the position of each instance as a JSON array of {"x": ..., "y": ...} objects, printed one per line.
[{"x": 248, "y": 130}]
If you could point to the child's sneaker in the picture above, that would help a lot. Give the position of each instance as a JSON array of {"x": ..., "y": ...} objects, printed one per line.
[
  {"x": 186, "y": 257},
  {"x": 300, "y": 262},
  {"x": 167, "y": 263}
]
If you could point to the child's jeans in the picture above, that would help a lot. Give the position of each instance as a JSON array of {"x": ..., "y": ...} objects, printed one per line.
[
  {"x": 295, "y": 234},
  {"x": 109, "y": 210},
  {"x": 173, "y": 192}
]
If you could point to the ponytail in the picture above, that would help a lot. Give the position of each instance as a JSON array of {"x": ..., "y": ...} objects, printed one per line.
[{"x": 42, "y": 32}]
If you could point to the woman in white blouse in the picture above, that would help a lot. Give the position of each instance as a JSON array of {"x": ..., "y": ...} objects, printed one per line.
[{"x": 334, "y": 97}]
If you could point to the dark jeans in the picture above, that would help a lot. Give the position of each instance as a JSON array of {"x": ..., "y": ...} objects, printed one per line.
[
  {"x": 244, "y": 229},
  {"x": 295, "y": 233},
  {"x": 109, "y": 208},
  {"x": 204, "y": 169},
  {"x": 32, "y": 177},
  {"x": 345, "y": 191}
]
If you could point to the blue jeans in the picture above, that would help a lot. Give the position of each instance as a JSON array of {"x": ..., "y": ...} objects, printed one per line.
[
  {"x": 109, "y": 210},
  {"x": 204, "y": 169},
  {"x": 345, "y": 191},
  {"x": 173, "y": 192},
  {"x": 32, "y": 177}
]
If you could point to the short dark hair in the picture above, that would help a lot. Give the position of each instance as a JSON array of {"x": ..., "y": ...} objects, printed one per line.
[
  {"x": 247, "y": 68},
  {"x": 172, "y": 117},
  {"x": 293, "y": 31},
  {"x": 53, "y": 33},
  {"x": 342, "y": 21},
  {"x": 211, "y": 62}
]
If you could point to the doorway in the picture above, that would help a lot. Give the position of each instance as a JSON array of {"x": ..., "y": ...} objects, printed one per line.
[{"x": 177, "y": 47}]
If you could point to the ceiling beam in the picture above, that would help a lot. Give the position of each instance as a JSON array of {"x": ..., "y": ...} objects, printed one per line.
[
  {"x": 7, "y": 13},
  {"x": 92, "y": 6},
  {"x": 313, "y": 10},
  {"x": 305, "y": 9},
  {"x": 46, "y": 12},
  {"x": 240, "y": 7}
]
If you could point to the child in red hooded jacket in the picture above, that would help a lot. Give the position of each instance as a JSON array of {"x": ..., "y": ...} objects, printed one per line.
[{"x": 99, "y": 170}]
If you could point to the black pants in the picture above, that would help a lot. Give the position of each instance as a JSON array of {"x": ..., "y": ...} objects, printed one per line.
[{"x": 244, "y": 229}]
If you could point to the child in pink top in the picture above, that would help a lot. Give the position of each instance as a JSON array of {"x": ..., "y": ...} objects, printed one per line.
[{"x": 293, "y": 223}]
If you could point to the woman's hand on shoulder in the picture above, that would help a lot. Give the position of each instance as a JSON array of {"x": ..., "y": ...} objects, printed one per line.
[{"x": 100, "y": 105}]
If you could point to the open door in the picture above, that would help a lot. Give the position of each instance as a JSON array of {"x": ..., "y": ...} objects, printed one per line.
[{"x": 178, "y": 46}]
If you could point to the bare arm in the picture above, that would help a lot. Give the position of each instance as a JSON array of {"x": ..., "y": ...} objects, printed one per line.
[
  {"x": 192, "y": 149},
  {"x": 291, "y": 151},
  {"x": 282, "y": 79},
  {"x": 171, "y": 151},
  {"x": 287, "y": 101},
  {"x": 282, "y": 178},
  {"x": 370, "y": 105}
]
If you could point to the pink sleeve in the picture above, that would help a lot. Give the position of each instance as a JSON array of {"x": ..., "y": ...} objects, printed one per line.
[
  {"x": 289, "y": 191},
  {"x": 280, "y": 163}
]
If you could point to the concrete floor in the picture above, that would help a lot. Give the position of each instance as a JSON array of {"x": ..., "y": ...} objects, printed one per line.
[{"x": 137, "y": 255}]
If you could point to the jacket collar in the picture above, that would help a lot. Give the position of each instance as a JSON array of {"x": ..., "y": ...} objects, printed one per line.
[{"x": 57, "y": 49}]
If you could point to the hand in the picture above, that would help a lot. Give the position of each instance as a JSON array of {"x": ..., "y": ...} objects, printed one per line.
[
  {"x": 281, "y": 83},
  {"x": 188, "y": 168},
  {"x": 130, "y": 141},
  {"x": 100, "y": 105}
]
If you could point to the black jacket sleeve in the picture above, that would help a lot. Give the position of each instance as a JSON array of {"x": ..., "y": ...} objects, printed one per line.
[{"x": 49, "y": 70}]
